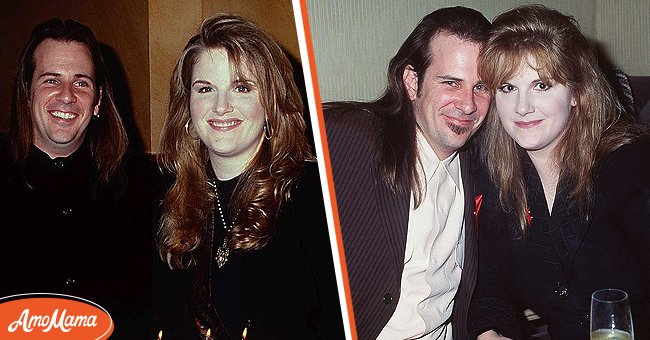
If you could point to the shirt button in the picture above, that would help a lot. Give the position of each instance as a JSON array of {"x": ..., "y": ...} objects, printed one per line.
[
  {"x": 66, "y": 211},
  {"x": 59, "y": 164},
  {"x": 561, "y": 291},
  {"x": 70, "y": 282},
  {"x": 387, "y": 298}
]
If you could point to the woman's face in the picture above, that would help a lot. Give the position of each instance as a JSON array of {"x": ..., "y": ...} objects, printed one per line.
[
  {"x": 226, "y": 110},
  {"x": 534, "y": 113}
]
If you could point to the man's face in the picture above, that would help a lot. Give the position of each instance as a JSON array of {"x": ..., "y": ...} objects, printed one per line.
[
  {"x": 451, "y": 102},
  {"x": 62, "y": 96}
]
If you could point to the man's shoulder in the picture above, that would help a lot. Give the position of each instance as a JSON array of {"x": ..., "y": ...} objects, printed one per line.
[
  {"x": 5, "y": 152},
  {"x": 354, "y": 114},
  {"x": 354, "y": 141},
  {"x": 351, "y": 123},
  {"x": 142, "y": 170},
  {"x": 4, "y": 141}
]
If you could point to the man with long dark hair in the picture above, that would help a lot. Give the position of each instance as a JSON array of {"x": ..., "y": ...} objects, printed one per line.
[
  {"x": 400, "y": 170},
  {"x": 76, "y": 213}
]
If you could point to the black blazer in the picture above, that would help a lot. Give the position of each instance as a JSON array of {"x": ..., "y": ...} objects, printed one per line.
[
  {"x": 563, "y": 258},
  {"x": 374, "y": 223}
]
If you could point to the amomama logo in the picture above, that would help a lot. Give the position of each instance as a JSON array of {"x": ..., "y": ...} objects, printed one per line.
[{"x": 52, "y": 316}]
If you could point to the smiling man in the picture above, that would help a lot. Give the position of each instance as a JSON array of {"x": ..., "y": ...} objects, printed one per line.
[
  {"x": 63, "y": 96},
  {"x": 401, "y": 179},
  {"x": 77, "y": 213}
]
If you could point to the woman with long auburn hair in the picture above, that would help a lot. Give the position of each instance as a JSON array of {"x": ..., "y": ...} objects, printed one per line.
[
  {"x": 565, "y": 200},
  {"x": 243, "y": 225}
]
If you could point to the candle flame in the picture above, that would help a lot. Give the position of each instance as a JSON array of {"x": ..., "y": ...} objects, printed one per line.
[
  {"x": 244, "y": 333},
  {"x": 208, "y": 333},
  {"x": 160, "y": 335}
]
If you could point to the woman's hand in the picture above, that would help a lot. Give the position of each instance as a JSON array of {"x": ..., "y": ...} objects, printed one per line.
[{"x": 491, "y": 335}]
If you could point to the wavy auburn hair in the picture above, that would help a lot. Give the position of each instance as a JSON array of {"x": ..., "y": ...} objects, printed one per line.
[
  {"x": 265, "y": 183},
  {"x": 597, "y": 125}
]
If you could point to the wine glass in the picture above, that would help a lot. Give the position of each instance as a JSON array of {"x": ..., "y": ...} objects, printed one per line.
[{"x": 611, "y": 317}]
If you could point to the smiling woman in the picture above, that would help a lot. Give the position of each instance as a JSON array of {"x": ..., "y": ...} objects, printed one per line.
[
  {"x": 243, "y": 222},
  {"x": 563, "y": 215},
  {"x": 535, "y": 113},
  {"x": 226, "y": 112}
]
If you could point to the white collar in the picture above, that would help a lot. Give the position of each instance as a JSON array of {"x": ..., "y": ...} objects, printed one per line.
[{"x": 429, "y": 162}]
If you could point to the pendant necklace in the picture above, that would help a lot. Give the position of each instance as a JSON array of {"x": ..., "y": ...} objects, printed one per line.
[{"x": 223, "y": 251}]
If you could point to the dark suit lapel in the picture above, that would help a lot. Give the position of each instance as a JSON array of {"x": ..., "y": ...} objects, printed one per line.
[
  {"x": 471, "y": 237},
  {"x": 394, "y": 212},
  {"x": 470, "y": 265},
  {"x": 470, "y": 196}
]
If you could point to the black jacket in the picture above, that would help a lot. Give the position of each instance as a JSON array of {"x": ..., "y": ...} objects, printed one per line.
[
  {"x": 64, "y": 233},
  {"x": 563, "y": 259}
]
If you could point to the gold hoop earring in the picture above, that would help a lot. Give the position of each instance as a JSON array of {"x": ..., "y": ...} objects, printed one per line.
[
  {"x": 187, "y": 129},
  {"x": 268, "y": 131}
]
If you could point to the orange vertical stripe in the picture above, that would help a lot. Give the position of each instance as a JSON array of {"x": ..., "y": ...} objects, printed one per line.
[{"x": 330, "y": 180}]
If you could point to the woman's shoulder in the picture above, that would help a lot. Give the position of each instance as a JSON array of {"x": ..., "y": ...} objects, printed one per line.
[
  {"x": 639, "y": 147},
  {"x": 305, "y": 196},
  {"x": 631, "y": 155},
  {"x": 628, "y": 163},
  {"x": 308, "y": 181},
  {"x": 310, "y": 171}
]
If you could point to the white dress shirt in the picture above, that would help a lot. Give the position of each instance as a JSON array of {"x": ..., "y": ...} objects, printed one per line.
[{"x": 434, "y": 252}]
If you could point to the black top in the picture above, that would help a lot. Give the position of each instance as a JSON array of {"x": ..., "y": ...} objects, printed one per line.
[
  {"x": 227, "y": 281},
  {"x": 287, "y": 290},
  {"x": 66, "y": 233},
  {"x": 563, "y": 258}
]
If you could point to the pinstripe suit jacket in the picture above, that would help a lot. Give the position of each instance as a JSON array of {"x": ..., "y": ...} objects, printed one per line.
[{"x": 374, "y": 223}]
